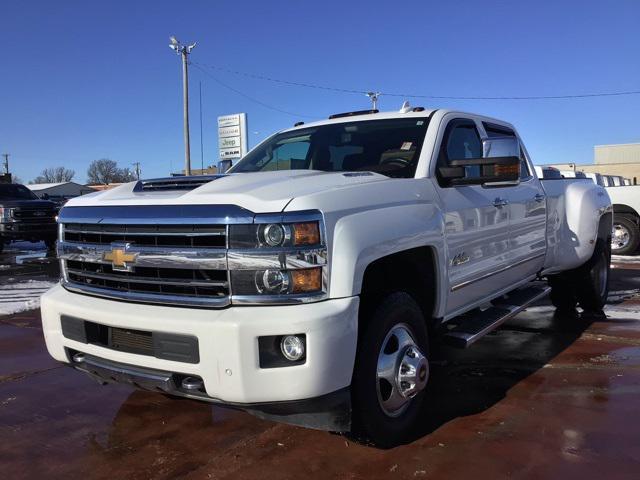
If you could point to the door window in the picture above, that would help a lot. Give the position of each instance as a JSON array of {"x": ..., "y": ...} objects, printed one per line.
[{"x": 461, "y": 141}]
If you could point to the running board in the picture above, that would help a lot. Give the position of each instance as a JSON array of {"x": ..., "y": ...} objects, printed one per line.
[{"x": 472, "y": 326}]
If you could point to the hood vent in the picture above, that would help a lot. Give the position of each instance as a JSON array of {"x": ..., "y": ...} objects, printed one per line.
[{"x": 174, "y": 183}]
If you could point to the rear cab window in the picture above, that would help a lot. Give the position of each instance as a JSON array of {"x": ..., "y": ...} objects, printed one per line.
[{"x": 493, "y": 130}]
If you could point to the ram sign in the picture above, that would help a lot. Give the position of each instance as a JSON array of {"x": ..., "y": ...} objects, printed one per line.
[{"x": 232, "y": 136}]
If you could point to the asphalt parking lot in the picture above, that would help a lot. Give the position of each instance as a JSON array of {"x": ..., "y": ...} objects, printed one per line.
[{"x": 543, "y": 397}]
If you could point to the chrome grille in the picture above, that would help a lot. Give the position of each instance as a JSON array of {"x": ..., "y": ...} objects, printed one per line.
[
  {"x": 168, "y": 264},
  {"x": 172, "y": 281}
]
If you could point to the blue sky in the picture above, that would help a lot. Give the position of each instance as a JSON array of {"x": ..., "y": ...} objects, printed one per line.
[{"x": 82, "y": 80}]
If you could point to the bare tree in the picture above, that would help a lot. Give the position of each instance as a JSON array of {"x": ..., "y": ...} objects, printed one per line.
[
  {"x": 106, "y": 171},
  {"x": 54, "y": 175},
  {"x": 103, "y": 171}
]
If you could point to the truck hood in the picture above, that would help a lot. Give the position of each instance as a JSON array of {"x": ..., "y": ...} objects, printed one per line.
[{"x": 259, "y": 192}]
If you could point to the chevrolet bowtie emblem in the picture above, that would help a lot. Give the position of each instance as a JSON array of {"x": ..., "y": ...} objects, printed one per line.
[{"x": 119, "y": 258}]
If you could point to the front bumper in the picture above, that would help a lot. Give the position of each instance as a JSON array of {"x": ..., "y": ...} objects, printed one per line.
[{"x": 228, "y": 343}]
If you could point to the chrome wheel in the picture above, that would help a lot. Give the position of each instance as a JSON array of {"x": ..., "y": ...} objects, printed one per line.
[
  {"x": 620, "y": 237},
  {"x": 402, "y": 371}
]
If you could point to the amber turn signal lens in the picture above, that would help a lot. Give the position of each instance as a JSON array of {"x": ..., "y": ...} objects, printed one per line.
[
  {"x": 306, "y": 233},
  {"x": 306, "y": 280},
  {"x": 501, "y": 170}
]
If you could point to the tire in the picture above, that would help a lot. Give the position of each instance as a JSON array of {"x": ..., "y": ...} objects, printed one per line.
[
  {"x": 625, "y": 237},
  {"x": 592, "y": 280},
  {"x": 395, "y": 335},
  {"x": 587, "y": 285}
]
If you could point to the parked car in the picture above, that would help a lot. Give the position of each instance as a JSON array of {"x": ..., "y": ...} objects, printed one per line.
[
  {"x": 546, "y": 173},
  {"x": 572, "y": 174},
  {"x": 306, "y": 284},
  {"x": 625, "y": 238},
  {"x": 23, "y": 216},
  {"x": 596, "y": 177}
]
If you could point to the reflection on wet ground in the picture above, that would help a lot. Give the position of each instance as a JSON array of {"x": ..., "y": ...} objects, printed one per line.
[
  {"x": 20, "y": 259},
  {"x": 544, "y": 397}
]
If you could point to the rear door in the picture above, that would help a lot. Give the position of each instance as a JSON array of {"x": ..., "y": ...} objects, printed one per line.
[
  {"x": 476, "y": 222},
  {"x": 527, "y": 215}
]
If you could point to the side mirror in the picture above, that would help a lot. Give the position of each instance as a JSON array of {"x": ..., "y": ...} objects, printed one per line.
[{"x": 498, "y": 167}]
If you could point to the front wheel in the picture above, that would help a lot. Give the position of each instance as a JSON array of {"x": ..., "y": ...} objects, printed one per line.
[{"x": 391, "y": 371}]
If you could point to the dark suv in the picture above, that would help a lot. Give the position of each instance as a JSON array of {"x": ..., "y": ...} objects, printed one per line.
[{"x": 23, "y": 216}]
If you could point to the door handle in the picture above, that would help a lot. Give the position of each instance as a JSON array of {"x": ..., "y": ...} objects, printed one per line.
[
  {"x": 500, "y": 202},
  {"x": 539, "y": 197}
]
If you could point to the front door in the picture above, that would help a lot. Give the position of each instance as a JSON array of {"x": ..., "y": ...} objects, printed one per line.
[{"x": 476, "y": 223}]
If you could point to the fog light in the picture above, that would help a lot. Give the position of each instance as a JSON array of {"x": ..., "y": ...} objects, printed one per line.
[{"x": 292, "y": 347}]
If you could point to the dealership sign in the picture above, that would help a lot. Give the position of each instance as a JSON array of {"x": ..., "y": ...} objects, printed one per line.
[{"x": 232, "y": 136}]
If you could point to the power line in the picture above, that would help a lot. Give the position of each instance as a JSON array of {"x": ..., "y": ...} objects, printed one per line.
[
  {"x": 242, "y": 94},
  {"x": 414, "y": 95}
]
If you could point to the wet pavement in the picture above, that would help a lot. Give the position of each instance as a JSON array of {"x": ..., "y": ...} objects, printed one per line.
[{"x": 542, "y": 398}]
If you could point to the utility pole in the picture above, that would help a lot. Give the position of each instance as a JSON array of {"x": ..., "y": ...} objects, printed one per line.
[
  {"x": 184, "y": 51},
  {"x": 6, "y": 163},
  {"x": 137, "y": 165},
  {"x": 373, "y": 96},
  {"x": 201, "y": 147}
]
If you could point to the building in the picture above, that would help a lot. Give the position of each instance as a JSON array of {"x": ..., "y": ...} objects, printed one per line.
[
  {"x": 59, "y": 191},
  {"x": 197, "y": 171},
  {"x": 622, "y": 159},
  {"x": 103, "y": 186}
]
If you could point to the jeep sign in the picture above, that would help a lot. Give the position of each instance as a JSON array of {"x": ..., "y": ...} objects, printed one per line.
[{"x": 232, "y": 136}]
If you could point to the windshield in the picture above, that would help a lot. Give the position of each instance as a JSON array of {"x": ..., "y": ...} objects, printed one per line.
[
  {"x": 389, "y": 147},
  {"x": 11, "y": 191}
]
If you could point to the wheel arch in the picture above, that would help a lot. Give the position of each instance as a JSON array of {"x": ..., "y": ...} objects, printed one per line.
[
  {"x": 622, "y": 209},
  {"x": 604, "y": 227},
  {"x": 413, "y": 271}
]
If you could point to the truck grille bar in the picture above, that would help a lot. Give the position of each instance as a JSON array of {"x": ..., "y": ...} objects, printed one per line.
[{"x": 151, "y": 235}]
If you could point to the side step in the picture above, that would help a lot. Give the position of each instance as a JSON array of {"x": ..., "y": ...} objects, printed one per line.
[{"x": 472, "y": 326}]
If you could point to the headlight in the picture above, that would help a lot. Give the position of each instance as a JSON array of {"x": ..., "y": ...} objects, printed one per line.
[
  {"x": 300, "y": 234},
  {"x": 274, "y": 234},
  {"x": 277, "y": 282},
  {"x": 5, "y": 214},
  {"x": 279, "y": 258}
]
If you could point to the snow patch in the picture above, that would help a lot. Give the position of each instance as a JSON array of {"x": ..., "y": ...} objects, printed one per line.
[
  {"x": 22, "y": 296},
  {"x": 625, "y": 259}
]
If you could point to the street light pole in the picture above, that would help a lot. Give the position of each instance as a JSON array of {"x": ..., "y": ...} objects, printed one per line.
[
  {"x": 373, "y": 96},
  {"x": 184, "y": 51}
]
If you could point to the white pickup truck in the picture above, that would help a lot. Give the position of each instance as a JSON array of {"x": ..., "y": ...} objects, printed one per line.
[
  {"x": 306, "y": 283},
  {"x": 625, "y": 238}
]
